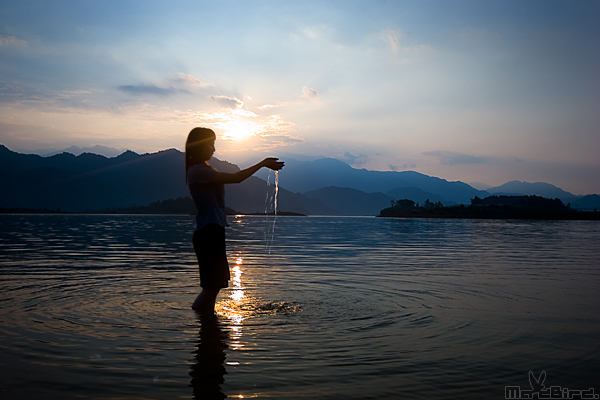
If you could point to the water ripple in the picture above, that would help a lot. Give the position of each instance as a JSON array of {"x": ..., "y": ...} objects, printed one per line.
[{"x": 335, "y": 308}]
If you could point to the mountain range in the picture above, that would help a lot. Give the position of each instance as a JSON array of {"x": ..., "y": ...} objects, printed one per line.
[
  {"x": 97, "y": 149},
  {"x": 88, "y": 182}
]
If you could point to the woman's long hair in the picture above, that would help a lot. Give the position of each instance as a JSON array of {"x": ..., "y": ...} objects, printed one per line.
[{"x": 196, "y": 137}]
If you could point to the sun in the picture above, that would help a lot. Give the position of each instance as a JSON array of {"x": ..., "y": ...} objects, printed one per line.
[{"x": 237, "y": 130}]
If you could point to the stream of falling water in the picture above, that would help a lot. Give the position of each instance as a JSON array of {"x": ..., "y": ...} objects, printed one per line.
[
  {"x": 268, "y": 201},
  {"x": 276, "y": 192}
]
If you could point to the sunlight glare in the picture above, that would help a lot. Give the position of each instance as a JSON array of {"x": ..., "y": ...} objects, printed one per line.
[
  {"x": 237, "y": 130},
  {"x": 233, "y": 309}
]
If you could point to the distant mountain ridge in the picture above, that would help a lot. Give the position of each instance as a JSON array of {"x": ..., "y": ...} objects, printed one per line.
[
  {"x": 347, "y": 201},
  {"x": 322, "y": 187},
  {"x": 92, "y": 182},
  {"x": 105, "y": 151},
  {"x": 590, "y": 202},
  {"x": 89, "y": 181},
  {"x": 543, "y": 189},
  {"x": 308, "y": 176},
  {"x": 304, "y": 176}
]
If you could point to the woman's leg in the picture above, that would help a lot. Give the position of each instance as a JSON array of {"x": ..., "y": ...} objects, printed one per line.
[
  {"x": 209, "y": 246},
  {"x": 205, "y": 302}
]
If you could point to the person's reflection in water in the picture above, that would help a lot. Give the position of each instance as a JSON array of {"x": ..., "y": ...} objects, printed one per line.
[{"x": 209, "y": 370}]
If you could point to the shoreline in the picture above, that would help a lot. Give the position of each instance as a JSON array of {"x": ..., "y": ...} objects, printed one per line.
[
  {"x": 570, "y": 216},
  {"x": 30, "y": 211}
]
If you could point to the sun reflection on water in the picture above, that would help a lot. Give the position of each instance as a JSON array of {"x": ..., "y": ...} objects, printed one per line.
[
  {"x": 238, "y": 306},
  {"x": 237, "y": 293},
  {"x": 233, "y": 307}
]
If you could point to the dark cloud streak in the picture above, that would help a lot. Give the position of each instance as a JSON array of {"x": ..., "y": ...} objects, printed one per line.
[
  {"x": 142, "y": 89},
  {"x": 451, "y": 158}
]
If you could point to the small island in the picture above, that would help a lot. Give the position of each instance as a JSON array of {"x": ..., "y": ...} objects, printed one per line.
[{"x": 492, "y": 207}]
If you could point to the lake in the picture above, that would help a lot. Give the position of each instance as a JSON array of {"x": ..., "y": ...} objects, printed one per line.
[{"x": 98, "y": 307}]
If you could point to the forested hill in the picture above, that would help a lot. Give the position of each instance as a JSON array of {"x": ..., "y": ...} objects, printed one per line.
[
  {"x": 92, "y": 182},
  {"x": 89, "y": 181}
]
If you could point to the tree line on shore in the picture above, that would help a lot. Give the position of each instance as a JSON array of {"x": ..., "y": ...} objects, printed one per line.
[{"x": 492, "y": 207}]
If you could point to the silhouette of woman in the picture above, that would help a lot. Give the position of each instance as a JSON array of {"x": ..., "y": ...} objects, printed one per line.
[{"x": 206, "y": 186}]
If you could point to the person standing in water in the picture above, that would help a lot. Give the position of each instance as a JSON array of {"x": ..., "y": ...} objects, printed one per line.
[{"x": 206, "y": 186}]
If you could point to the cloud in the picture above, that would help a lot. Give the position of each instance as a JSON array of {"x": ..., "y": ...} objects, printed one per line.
[
  {"x": 227, "y": 102},
  {"x": 181, "y": 83},
  {"x": 403, "y": 167},
  {"x": 313, "y": 32},
  {"x": 10, "y": 92},
  {"x": 355, "y": 161},
  {"x": 190, "y": 80},
  {"x": 259, "y": 132},
  {"x": 392, "y": 38},
  {"x": 274, "y": 141},
  {"x": 309, "y": 94},
  {"x": 149, "y": 89},
  {"x": 451, "y": 158},
  {"x": 43, "y": 99},
  {"x": 11, "y": 41},
  {"x": 269, "y": 106}
]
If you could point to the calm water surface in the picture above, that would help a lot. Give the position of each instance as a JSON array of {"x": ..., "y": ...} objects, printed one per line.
[{"x": 330, "y": 308}]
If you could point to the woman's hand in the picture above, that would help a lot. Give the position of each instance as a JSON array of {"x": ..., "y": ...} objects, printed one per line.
[
  {"x": 273, "y": 163},
  {"x": 242, "y": 175}
]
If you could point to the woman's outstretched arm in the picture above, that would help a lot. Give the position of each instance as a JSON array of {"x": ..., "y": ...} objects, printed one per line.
[{"x": 242, "y": 175}]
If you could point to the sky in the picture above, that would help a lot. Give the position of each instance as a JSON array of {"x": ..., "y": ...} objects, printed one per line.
[{"x": 477, "y": 91}]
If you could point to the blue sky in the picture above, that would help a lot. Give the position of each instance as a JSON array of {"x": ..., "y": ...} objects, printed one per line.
[{"x": 477, "y": 91}]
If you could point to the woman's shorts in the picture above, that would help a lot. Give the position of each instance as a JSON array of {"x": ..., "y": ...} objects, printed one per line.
[{"x": 209, "y": 245}]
